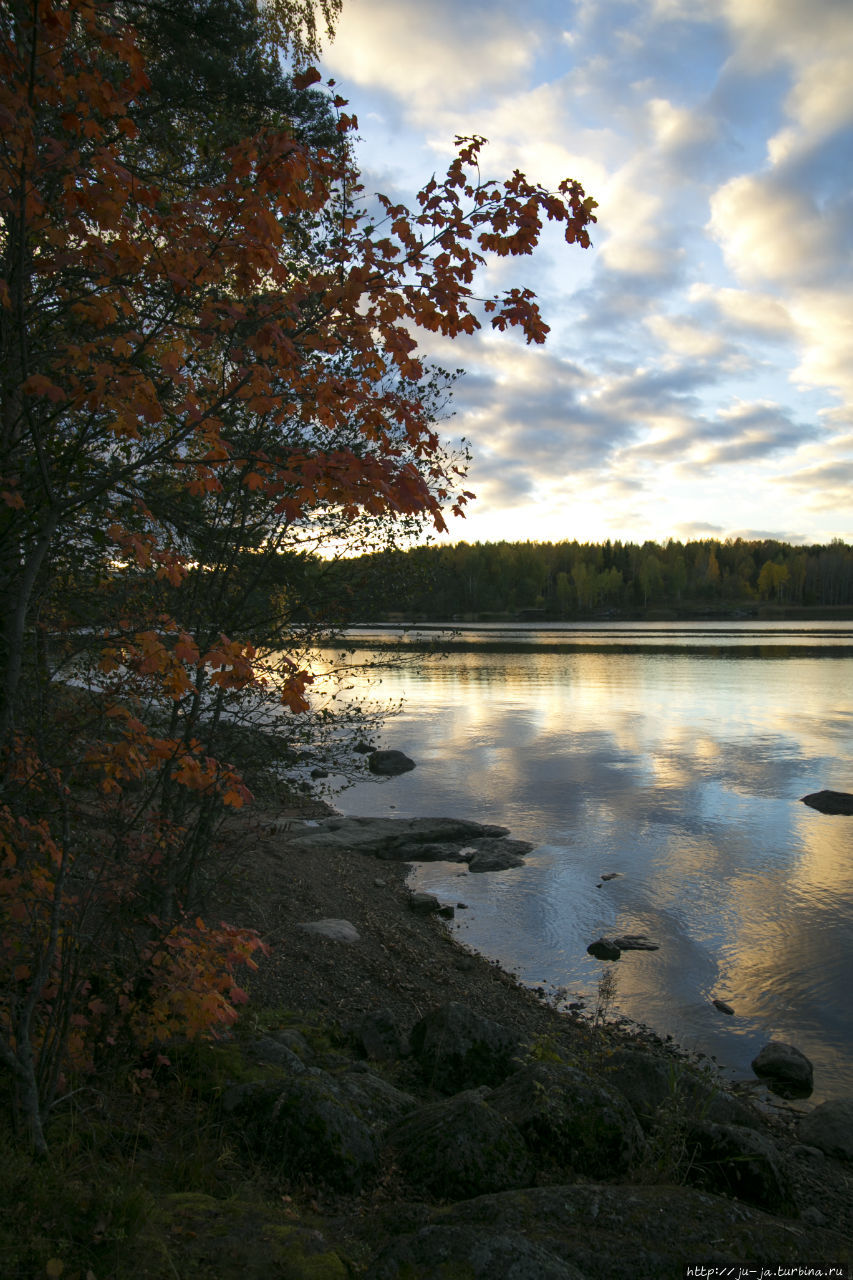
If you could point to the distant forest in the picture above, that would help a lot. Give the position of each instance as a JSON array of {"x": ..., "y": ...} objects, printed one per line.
[{"x": 560, "y": 580}]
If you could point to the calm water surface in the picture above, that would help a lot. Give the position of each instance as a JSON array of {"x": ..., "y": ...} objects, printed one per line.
[{"x": 678, "y": 761}]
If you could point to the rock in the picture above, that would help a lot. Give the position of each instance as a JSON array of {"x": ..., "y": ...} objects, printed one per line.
[
  {"x": 496, "y": 855},
  {"x": 460, "y": 1049},
  {"x": 787, "y": 1071},
  {"x": 739, "y": 1162},
  {"x": 230, "y": 1237},
  {"x": 389, "y": 763},
  {"x": 446, "y": 913},
  {"x": 634, "y": 942},
  {"x": 363, "y": 748},
  {"x": 424, "y": 904},
  {"x": 481, "y": 845},
  {"x": 317, "y": 772},
  {"x": 830, "y": 1128},
  {"x": 310, "y": 1126},
  {"x": 830, "y": 801},
  {"x": 271, "y": 1049},
  {"x": 604, "y": 949},
  {"x": 659, "y": 1091},
  {"x": 337, "y": 930},
  {"x": 438, "y": 1251},
  {"x": 460, "y": 1147},
  {"x": 610, "y": 875},
  {"x": 571, "y": 1123},
  {"x": 374, "y": 1099},
  {"x": 621, "y": 1232},
  {"x": 722, "y": 1006},
  {"x": 381, "y": 1036}
]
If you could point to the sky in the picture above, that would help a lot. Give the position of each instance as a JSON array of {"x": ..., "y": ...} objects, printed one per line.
[{"x": 697, "y": 381}]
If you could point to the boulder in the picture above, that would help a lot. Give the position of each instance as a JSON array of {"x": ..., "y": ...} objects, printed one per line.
[
  {"x": 308, "y": 1126},
  {"x": 381, "y": 1036},
  {"x": 739, "y": 1162},
  {"x": 830, "y": 1128},
  {"x": 786, "y": 1070},
  {"x": 604, "y": 949},
  {"x": 337, "y": 930},
  {"x": 491, "y": 854},
  {"x": 460, "y": 1147},
  {"x": 570, "y": 1122},
  {"x": 830, "y": 801},
  {"x": 438, "y": 1251},
  {"x": 460, "y": 1049},
  {"x": 388, "y": 764},
  {"x": 658, "y": 1090},
  {"x": 424, "y": 904}
]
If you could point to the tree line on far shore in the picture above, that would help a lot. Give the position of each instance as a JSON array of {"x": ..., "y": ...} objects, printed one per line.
[{"x": 572, "y": 579}]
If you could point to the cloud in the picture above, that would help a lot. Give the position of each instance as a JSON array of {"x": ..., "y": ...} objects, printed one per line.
[
  {"x": 426, "y": 53},
  {"x": 759, "y": 315}
]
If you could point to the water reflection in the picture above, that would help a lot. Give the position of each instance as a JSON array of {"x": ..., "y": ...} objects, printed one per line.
[{"x": 684, "y": 774}]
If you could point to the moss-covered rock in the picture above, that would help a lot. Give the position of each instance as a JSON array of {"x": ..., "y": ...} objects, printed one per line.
[
  {"x": 464, "y": 1253},
  {"x": 570, "y": 1122},
  {"x": 460, "y": 1147},
  {"x": 309, "y": 1126},
  {"x": 234, "y": 1240}
]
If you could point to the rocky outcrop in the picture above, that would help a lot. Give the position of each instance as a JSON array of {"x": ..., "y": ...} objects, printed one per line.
[
  {"x": 474, "y": 1253},
  {"x": 786, "y": 1070},
  {"x": 621, "y": 1232},
  {"x": 544, "y": 1157},
  {"x": 482, "y": 846},
  {"x": 830, "y": 801}
]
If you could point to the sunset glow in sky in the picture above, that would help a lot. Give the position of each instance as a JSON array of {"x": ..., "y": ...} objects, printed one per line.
[{"x": 698, "y": 377}]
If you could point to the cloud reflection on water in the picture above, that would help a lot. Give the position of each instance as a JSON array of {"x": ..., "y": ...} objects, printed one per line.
[{"x": 685, "y": 775}]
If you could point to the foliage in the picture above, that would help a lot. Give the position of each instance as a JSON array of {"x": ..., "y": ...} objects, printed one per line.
[
  {"x": 570, "y": 579},
  {"x": 208, "y": 359}
]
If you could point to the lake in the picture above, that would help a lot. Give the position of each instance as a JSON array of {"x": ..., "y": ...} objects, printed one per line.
[{"x": 675, "y": 755}]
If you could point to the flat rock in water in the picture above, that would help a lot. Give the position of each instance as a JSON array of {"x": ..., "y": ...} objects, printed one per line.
[
  {"x": 483, "y": 846},
  {"x": 604, "y": 949},
  {"x": 634, "y": 942},
  {"x": 722, "y": 1006},
  {"x": 830, "y": 801},
  {"x": 389, "y": 764}
]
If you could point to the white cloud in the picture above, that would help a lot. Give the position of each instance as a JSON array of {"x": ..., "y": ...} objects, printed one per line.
[{"x": 425, "y": 54}]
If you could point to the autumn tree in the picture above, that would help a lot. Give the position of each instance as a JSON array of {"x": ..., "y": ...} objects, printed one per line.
[{"x": 194, "y": 365}]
